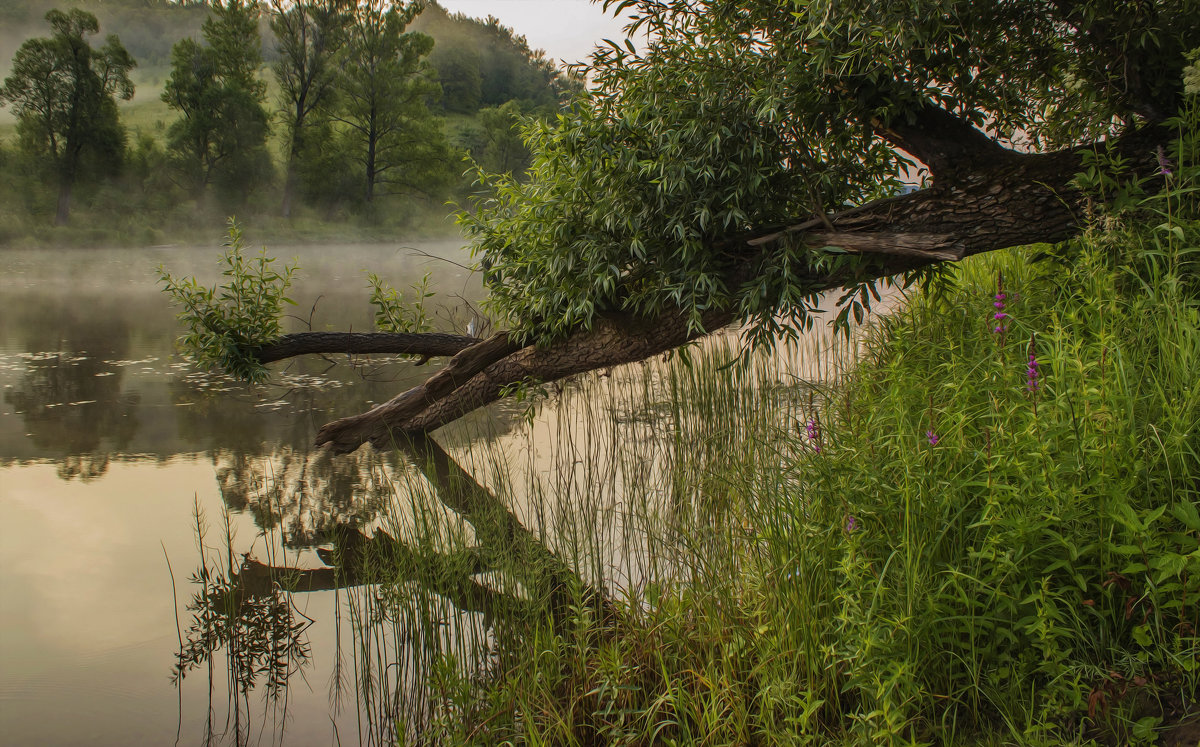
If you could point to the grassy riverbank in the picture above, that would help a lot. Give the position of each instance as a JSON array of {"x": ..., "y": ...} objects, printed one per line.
[{"x": 985, "y": 533}]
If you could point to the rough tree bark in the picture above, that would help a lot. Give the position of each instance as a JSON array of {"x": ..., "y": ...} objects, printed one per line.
[{"x": 984, "y": 197}]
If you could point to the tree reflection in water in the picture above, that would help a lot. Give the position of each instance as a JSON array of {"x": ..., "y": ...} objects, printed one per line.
[
  {"x": 73, "y": 407},
  {"x": 413, "y": 607},
  {"x": 305, "y": 493}
]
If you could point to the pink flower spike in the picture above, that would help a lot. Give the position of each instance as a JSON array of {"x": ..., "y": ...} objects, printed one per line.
[{"x": 1164, "y": 165}]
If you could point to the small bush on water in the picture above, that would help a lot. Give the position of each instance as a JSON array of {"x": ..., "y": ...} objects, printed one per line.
[{"x": 987, "y": 532}]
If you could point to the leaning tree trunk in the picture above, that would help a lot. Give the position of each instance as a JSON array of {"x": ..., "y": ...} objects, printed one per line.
[{"x": 984, "y": 197}]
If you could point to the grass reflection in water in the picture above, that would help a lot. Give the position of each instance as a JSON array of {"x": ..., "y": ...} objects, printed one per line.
[{"x": 470, "y": 557}]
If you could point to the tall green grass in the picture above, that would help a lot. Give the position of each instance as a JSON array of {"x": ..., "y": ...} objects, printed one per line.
[
  {"x": 933, "y": 546},
  {"x": 928, "y": 546},
  {"x": 963, "y": 528}
]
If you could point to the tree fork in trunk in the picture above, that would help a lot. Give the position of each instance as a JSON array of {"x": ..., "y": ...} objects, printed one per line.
[
  {"x": 984, "y": 198},
  {"x": 1015, "y": 200}
]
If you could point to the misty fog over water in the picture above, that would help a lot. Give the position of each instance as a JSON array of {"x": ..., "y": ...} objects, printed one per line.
[{"x": 110, "y": 441}]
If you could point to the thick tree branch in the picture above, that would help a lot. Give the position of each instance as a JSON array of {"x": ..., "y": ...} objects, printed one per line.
[
  {"x": 947, "y": 144},
  {"x": 614, "y": 340},
  {"x": 427, "y": 344},
  {"x": 1000, "y": 203}
]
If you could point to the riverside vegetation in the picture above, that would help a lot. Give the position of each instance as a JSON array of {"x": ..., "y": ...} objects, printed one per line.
[
  {"x": 980, "y": 528},
  {"x": 985, "y": 531}
]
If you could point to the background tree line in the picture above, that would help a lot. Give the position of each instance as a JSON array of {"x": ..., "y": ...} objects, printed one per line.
[{"x": 310, "y": 111}]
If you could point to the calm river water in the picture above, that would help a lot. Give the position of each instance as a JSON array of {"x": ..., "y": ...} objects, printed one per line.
[
  {"x": 110, "y": 444},
  {"x": 116, "y": 457}
]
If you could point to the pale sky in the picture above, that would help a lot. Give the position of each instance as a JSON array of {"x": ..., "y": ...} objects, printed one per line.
[{"x": 566, "y": 29}]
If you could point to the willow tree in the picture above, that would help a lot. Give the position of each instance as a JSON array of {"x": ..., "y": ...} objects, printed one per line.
[{"x": 748, "y": 159}]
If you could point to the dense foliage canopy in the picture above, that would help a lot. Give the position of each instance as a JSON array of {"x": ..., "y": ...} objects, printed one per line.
[
  {"x": 308, "y": 35},
  {"x": 63, "y": 91},
  {"x": 220, "y": 137},
  {"x": 751, "y": 157},
  {"x": 740, "y": 116},
  {"x": 384, "y": 89}
]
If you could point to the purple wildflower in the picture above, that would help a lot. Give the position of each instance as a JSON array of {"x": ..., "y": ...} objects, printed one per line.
[
  {"x": 1032, "y": 375},
  {"x": 851, "y": 524},
  {"x": 933, "y": 437},
  {"x": 1164, "y": 166},
  {"x": 1000, "y": 315},
  {"x": 814, "y": 434}
]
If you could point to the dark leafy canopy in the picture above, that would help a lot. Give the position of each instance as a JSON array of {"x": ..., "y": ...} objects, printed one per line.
[
  {"x": 744, "y": 115},
  {"x": 62, "y": 92},
  {"x": 497, "y": 145},
  {"x": 221, "y": 135},
  {"x": 729, "y": 172},
  {"x": 384, "y": 89}
]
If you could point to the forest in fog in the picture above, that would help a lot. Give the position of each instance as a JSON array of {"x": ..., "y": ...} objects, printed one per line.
[{"x": 309, "y": 119}]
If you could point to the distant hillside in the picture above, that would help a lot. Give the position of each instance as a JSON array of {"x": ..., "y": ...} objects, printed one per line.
[
  {"x": 479, "y": 62},
  {"x": 147, "y": 28}
]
